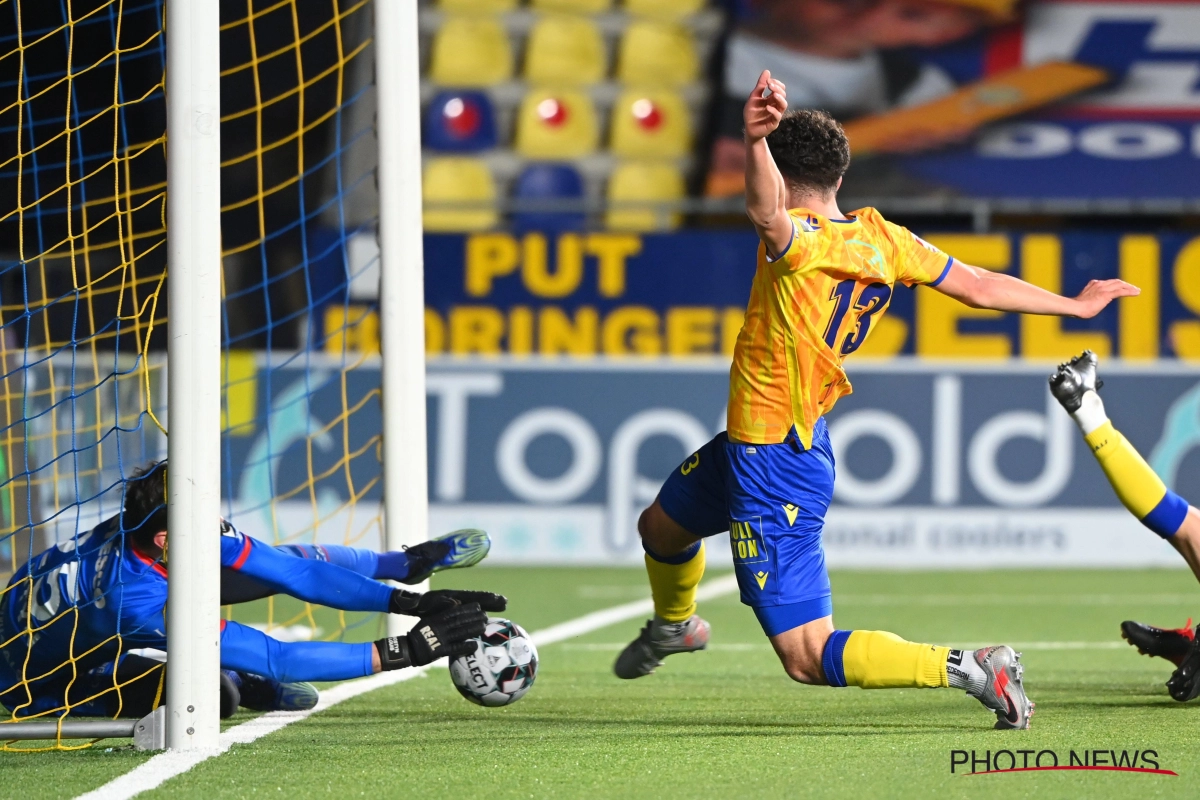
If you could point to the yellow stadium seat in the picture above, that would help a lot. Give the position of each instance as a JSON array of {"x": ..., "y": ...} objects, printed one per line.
[
  {"x": 651, "y": 124},
  {"x": 649, "y": 182},
  {"x": 663, "y": 9},
  {"x": 565, "y": 51},
  {"x": 574, "y": 6},
  {"x": 657, "y": 54},
  {"x": 472, "y": 6},
  {"x": 471, "y": 51},
  {"x": 458, "y": 180},
  {"x": 554, "y": 124}
]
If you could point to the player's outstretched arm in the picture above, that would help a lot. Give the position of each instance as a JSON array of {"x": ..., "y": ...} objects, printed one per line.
[
  {"x": 766, "y": 192},
  {"x": 442, "y": 635},
  {"x": 981, "y": 288}
]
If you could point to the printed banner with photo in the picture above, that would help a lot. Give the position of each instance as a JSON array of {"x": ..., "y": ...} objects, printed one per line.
[{"x": 1053, "y": 100}]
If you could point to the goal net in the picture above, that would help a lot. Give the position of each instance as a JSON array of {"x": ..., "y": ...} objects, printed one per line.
[{"x": 83, "y": 271}]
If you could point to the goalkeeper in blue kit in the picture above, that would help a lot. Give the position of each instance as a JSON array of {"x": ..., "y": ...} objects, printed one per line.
[{"x": 77, "y": 620}]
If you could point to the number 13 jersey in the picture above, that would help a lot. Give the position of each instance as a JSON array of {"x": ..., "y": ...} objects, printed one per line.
[{"x": 809, "y": 309}]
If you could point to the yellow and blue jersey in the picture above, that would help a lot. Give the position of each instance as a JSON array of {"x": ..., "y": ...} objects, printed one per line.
[{"x": 809, "y": 309}]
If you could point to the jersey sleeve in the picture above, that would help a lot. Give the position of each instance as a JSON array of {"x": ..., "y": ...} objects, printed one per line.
[
  {"x": 249, "y": 650},
  {"x": 809, "y": 244},
  {"x": 308, "y": 579},
  {"x": 917, "y": 261}
]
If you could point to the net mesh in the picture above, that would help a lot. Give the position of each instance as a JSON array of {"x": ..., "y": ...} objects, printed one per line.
[{"x": 83, "y": 304}]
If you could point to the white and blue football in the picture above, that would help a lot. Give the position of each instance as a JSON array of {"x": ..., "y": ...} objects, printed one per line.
[{"x": 502, "y": 668}]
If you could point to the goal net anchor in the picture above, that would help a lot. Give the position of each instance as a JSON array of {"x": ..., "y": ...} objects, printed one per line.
[{"x": 148, "y": 733}]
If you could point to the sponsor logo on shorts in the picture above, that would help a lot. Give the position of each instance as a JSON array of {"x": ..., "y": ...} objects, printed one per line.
[
  {"x": 746, "y": 541},
  {"x": 791, "y": 510},
  {"x": 761, "y": 577}
]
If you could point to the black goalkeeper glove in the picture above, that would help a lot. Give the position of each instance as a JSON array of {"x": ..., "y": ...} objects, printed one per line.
[
  {"x": 445, "y": 634},
  {"x": 435, "y": 602}
]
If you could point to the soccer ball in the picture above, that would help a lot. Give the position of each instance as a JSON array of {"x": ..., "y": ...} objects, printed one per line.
[{"x": 501, "y": 669}]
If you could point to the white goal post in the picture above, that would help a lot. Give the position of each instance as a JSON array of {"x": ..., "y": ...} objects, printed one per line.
[
  {"x": 193, "y": 219},
  {"x": 402, "y": 280}
]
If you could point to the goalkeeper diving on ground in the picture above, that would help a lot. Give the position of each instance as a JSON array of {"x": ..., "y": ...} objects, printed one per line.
[
  {"x": 822, "y": 278},
  {"x": 77, "y": 620},
  {"x": 1076, "y": 386}
]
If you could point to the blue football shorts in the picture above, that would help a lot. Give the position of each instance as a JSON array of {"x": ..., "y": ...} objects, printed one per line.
[{"x": 772, "y": 499}]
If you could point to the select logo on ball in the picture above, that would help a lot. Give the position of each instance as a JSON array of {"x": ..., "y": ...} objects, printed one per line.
[{"x": 502, "y": 668}]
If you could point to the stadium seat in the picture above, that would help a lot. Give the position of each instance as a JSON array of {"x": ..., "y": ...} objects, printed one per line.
[
  {"x": 471, "y": 51},
  {"x": 636, "y": 181},
  {"x": 664, "y": 9},
  {"x": 556, "y": 124},
  {"x": 472, "y": 6},
  {"x": 573, "y": 6},
  {"x": 564, "y": 51},
  {"x": 458, "y": 180},
  {"x": 460, "y": 122},
  {"x": 653, "y": 124},
  {"x": 547, "y": 182},
  {"x": 657, "y": 54}
]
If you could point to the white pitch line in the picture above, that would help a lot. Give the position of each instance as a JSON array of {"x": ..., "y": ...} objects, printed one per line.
[
  {"x": 164, "y": 766},
  {"x": 742, "y": 647}
]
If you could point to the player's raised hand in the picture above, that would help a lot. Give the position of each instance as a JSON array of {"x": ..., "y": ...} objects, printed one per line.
[
  {"x": 765, "y": 108},
  {"x": 1096, "y": 296},
  {"x": 439, "y": 600}
]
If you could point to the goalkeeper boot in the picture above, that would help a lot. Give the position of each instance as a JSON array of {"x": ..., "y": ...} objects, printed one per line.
[
  {"x": 658, "y": 640},
  {"x": 464, "y": 548},
  {"x": 231, "y": 698},
  {"x": 1003, "y": 693},
  {"x": 1073, "y": 379},
  {"x": 1171, "y": 644},
  {"x": 1184, "y": 684},
  {"x": 265, "y": 694}
]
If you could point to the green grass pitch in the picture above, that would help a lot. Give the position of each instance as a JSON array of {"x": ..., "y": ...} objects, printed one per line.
[{"x": 728, "y": 722}]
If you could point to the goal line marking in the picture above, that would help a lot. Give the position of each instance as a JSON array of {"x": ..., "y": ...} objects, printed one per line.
[{"x": 164, "y": 766}]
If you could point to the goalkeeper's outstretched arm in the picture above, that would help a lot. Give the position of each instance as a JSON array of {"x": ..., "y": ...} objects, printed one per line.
[{"x": 438, "y": 636}]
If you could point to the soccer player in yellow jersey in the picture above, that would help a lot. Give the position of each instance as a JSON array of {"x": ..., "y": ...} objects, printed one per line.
[
  {"x": 823, "y": 278},
  {"x": 1076, "y": 386}
]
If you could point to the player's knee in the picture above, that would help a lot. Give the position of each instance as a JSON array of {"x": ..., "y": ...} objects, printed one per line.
[
  {"x": 803, "y": 666},
  {"x": 650, "y": 527}
]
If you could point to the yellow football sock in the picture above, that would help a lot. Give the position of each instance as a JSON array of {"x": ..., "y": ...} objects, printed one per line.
[
  {"x": 881, "y": 660},
  {"x": 673, "y": 586},
  {"x": 1131, "y": 477}
]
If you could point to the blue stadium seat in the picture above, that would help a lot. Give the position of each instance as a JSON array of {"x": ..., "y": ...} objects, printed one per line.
[
  {"x": 460, "y": 122},
  {"x": 546, "y": 182}
]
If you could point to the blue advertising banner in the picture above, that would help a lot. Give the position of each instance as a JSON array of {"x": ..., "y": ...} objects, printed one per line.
[
  {"x": 937, "y": 465},
  {"x": 684, "y": 294}
]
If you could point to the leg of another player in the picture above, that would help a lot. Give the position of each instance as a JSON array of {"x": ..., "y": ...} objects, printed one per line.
[
  {"x": 1076, "y": 387},
  {"x": 457, "y": 549},
  {"x": 1187, "y": 540},
  {"x": 815, "y": 653},
  {"x": 674, "y": 564}
]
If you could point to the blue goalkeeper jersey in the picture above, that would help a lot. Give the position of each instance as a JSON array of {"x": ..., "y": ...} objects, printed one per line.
[{"x": 98, "y": 596}]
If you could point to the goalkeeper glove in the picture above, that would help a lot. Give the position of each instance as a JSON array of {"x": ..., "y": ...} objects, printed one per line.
[
  {"x": 445, "y": 634},
  {"x": 435, "y": 602}
]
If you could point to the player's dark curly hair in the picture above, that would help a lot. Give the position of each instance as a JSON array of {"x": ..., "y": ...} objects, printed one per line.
[
  {"x": 811, "y": 150},
  {"x": 145, "y": 509}
]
